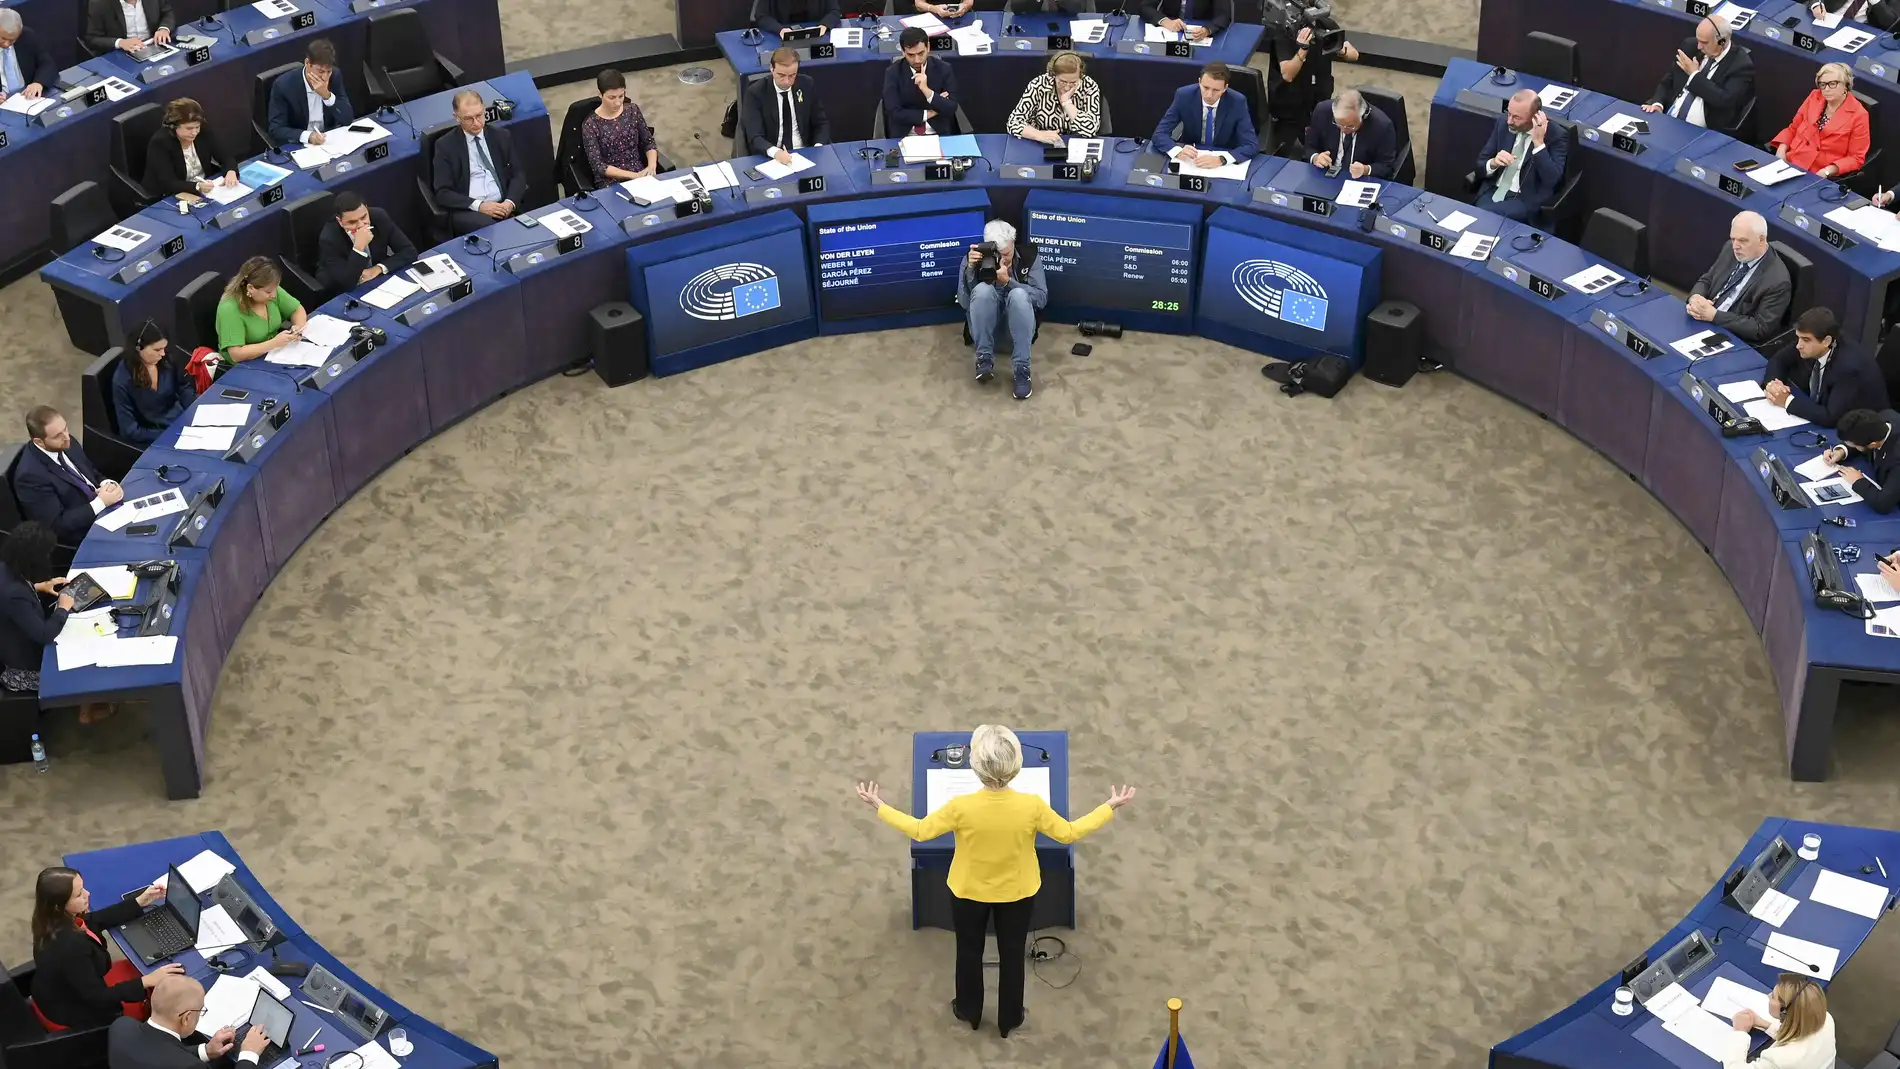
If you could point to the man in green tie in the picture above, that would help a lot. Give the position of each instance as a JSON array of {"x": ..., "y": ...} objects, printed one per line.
[{"x": 1521, "y": 165}]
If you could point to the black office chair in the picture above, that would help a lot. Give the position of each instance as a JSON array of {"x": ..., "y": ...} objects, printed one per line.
[
  {"x": 437, "y": 217},
  {"x": 11, "y": 516},
  {"x": 1560, "y": 214},
  {"x": 86, "y": 51},
  {"x": 132, "y": 132},
  {"x": 877, "y": 123},
  {"x": 1870, "y": 176},
  {"x": 79, "y": 214},
  {"x": 195, "y": 312},
  {"x": 1800, "y": 293},
  {"x": 1108, "y": 120},
  {"x": 1392, "y": 105},
  {"x": 260, "y": 105},
  {"x": 1549, "y": 56},
  {"x": 572, "y": 172},
  {"x": 741, "y": 137},
  {"x": 1619, "y": 239},
  {"x": 25, "y": 1044},
  {"x": 307, "y": 216},
  {"x": 1744, "y": 126},
  {"x": 19, "y": 721},
  {"x": 399, "y": 46},
  {"x": 110, "y": 453},
  {"x": 1252, "y": 85},
  {"x": 1888, "y": 361}
]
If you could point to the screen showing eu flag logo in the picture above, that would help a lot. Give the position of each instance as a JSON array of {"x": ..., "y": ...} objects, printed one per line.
[
  {"x": 1304, "y": 309},
  {"x": 754, "y": 297}
]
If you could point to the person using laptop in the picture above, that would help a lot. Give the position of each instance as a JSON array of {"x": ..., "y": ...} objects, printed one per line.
[
  {"x": 77, "y": 984},
  {"x": 170, "y": 1040}
]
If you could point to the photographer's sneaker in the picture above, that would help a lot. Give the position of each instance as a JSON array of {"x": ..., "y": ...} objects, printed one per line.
[
  {"x": 1023, "y": 389},
  {"x": 985, "y": 369}
]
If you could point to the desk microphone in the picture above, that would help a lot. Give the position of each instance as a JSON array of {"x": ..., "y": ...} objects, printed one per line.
[
  {"x": 292, "y": 379},
  {"x": 1716, "y": 940},
  {"x": 936, "y": 755},
  {"x": 404, "y": 109},
  {"x": 713, "y": 162}
]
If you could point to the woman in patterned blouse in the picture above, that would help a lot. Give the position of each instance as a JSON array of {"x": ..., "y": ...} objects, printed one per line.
[
  {"x": 619, "y": 143},
  {"x": 1063, "y": 102}
]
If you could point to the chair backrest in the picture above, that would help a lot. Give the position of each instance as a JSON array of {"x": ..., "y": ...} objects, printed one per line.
[
  {"x": 570, "y": 152},
  {"x": 399, "y": 43},
  {"x": 1744, "y": 128},
  {"x": 1889, "y": 363},
  {"x": 1108, "y": 121},
  {"x": 1548, "y": 56},
  {"x": 78, "y": 214},
  {"x": 1619, "y": 239},
  {"x": 132, "y": 132},
  {"x": 1801, "y": 274},
  {"x": 308, "y": 215},
  {"x": 260, "y": 100},
  {"x": 195, "y": 312},
  {"x": 1254, "y": 87},
  {"x": 877, "y": 123},
  {"x": 429, "y": 138},
  {"x": 10, "y": 514},
  {"x": 95, "y": 387},
  {"x": 18, "y": 1025},
  {"x": 1393, "y": 106}
]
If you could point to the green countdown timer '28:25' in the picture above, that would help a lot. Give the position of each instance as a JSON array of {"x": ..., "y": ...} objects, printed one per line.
[{"x": 1165, "y": 306}]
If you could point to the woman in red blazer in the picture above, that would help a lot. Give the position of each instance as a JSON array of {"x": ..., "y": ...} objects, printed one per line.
[{"x": 1829, "y": 135}]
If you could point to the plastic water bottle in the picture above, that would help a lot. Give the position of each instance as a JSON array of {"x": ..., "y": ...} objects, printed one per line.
[{"x": 40, "y": 763}]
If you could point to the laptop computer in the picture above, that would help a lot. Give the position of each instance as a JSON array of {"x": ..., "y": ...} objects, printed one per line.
[
  {"x": 259, "y": 930},
  {"x": 275, "y": 1019},
  {"x": 170, "y": 928}
]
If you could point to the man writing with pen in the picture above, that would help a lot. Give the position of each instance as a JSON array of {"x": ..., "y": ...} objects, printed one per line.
[{"x": 1868, "y": 436}]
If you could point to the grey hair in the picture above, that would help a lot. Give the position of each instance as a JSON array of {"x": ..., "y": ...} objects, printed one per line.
[
  {"x": 996, "y": 755},
  {"x": 1757, "y": 226},
  {"x": 10, "y": 21},
  {"x": 455, "y": 101},
  {"x": 1349, "y": 99},
  {"x": 999, "y": 233}
]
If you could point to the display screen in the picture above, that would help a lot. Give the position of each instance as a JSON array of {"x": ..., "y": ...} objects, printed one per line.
[
  {"x": 890, "y": 266},
  {"x": 1296, "y": 295},
  {"x": 727, "y": 293},
  {"x": 1103, "y": 261}
]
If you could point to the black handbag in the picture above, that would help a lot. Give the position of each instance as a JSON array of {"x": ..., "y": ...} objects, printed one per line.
[{"x": 1324, "y": 375}]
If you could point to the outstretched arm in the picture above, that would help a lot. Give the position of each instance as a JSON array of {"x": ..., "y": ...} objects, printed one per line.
[{"x": 943, "y": 820}]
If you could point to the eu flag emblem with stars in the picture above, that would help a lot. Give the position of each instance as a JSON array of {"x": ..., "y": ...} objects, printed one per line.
[
  {"x": 1303, "y": 309},
  {"x": 755, "y": 297},
  {"x": 1182, "y": 1059}
]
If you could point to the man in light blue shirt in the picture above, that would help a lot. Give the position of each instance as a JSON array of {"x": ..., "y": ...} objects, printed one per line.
[
  {"x": 475, "y": 177},
  {"x": 25, "y": 67}
]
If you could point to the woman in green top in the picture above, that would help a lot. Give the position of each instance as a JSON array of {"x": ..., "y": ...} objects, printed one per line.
[{"x": 255, "y": 315}]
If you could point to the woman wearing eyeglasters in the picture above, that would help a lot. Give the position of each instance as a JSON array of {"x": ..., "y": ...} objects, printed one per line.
[
  {"x": 1828, "y": 134},
  {"x": 148, "y": 392},
  {"x": 75, "y": 983},
  {"x": 1804, "y": 1038},
  {"x": 1062, "y": 101},
  {"x": 994, "y": 874}
]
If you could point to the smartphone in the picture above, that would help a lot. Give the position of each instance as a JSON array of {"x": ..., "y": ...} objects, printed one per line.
[
  {"x": 527, "y": 221},
  {"x": 235, "y": 395},
  {"x": 755, "y": 174},
  {"x": 140, "y": 530},
  {"x": 1054, "y": 26},
  {"x": 1747, "y": 165},
  {"x": 1174, "y": 166}
]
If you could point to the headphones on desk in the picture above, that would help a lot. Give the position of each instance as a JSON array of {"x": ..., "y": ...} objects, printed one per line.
[
  {"x": 500, "y": 110},
  {"x": 750, "y": 35}
]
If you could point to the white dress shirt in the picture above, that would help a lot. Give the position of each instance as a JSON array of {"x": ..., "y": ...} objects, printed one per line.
[
  {"x": 1689, "y": 108},
  {"x": 1741, "y": 284},
  {"x": 11, "y": 80},
  {"x": 784, "y": 106},
  {"x": 1809, "y": 1052},
  {"x": 313, "y": 106},
  {"x": 135, "y": 25},
  {"x": 59, "y": 461},
  {"x": 482, "y": 182},
  {"x": 244, "y": 1057}
]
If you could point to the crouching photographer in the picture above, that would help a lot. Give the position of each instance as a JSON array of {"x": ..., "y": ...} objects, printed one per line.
[
  {"x": 1002, "y": 281},
  {"x": 1305, "y": 41}
]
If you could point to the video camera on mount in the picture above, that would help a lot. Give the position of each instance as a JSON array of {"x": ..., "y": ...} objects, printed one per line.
[{"x": 1292, "y": 16}]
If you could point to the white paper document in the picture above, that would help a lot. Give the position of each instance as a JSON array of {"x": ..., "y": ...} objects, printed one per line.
[
  {"x": 275, "y": 9},
  {"x": 118, "y": 581},
  {"x": 220, "y": 414},
  {"x": 657, "y": 191},
  {"x": 118, "y": 89},
  {"x": 210, "y": 439},
  {"x": 437, "y": 272},
  {"x": 123, "y": 238},
  {"x": 1702, "y": 345},
  {"x": 1816, "y": 468},
  {"x": 918, "y": 147},
  {"x": 1229, "y": 168},
  {"x": 1875, "y": 588},
  {"x": 89, "y": 626},
  {"x": 1845, "y": 892},
  {"x": 712, "y": 176},
  {"x": 972, "y": 41},
  {"x": 223, "y": 194},
  {"x": 1735, "y": 15},
  {"x": 1084, "y": 149},
  {"x": 847, "y": 37},
  {"x": 1741, "y": 392},
  {"x": 1786, "y": 952},
  {"x": 1704, "y": 1031},
  {"x": 1456, "y": 222},
  {"x": 203, "y": 871},
  {"x": 375, "y": 1057},
  {"x": 145, "y": 649},
  {"x": 149, "y": 507},
  {"x": 1472, "y": 245},
  {"x": 1619, "y": 123},
  {"x": 1671, "y": 1002},
  {"x": 217, "y": 933},
  {"x": 1726, "y": 998},
  {"x": 19, "y": 104},
  {"x": 228, "y": 1003},
  {"x": 327, "y": 330},
  {"x": 262, "y": 978},
  {"x": 1885, "y": 624},
  {"x": 775, "y": 170},
  {"x": 564, "y": 223},
  {"x": 1774, "y": 907},
  {"x": 1772, "y": 416},
  {"x": 1356, "y": 194},
  {"x": 1868, "y": 221},
  {"x": 344, "y": 140},
  {"x": 1830, "y": 492},
  {"x": 1556, "y": 97},
  {"x": 1088, "y": 31},
  {"x": 943, "y": 784},
  {"x": 1593, "y": 279},
  {"x": 1772, "y": 173},
  {"x": 1156, "y": 35},
  {"x": 1828, "y": 21},
  {"x": 309, "y": 156},
  {"x": 301, "y": 353},
  {"x": 391, "y": 293},
  {"x": 1848, "y": 39},
  {"x": 930, "y": 24}
]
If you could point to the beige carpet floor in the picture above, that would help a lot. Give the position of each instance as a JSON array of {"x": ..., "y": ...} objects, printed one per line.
[{"x": 551, "y": 731}]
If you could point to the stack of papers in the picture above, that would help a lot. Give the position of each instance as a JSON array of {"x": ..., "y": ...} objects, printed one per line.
[
  {"x": 1154, "y": 33},
  {"x": 1828, "y": 21},
  {"x": 275, "y": 9},
  {"x": 1845, "y": 892},
  {"x": 123, "y": 238},
  {"x": 217, "y": 933},
  {"x": 259, "y": 173},
  {"x": 203, "y": 871},
  {"x": 214, "y": 425},
  {"x": 262, "y": 978},
  {"x": 321, "y": 335},
  {"x": 1743, "y": 392},
  {"x": 20, "y": 104},
  {"x": 917, "y": 148},
  {"x": 1083, "y": 149},
  {"x": 847, "y": 37},
  {"x": 1704, "y": 1031},
  {"x": 118, "y": 89},
  {"x": 1354, "y": 194},
  {"x": 150, "y": 507},
  {"x": 1228, "y": 168},
  {"x": 943, "y": 784},
  {"x": 437, "y": 272},
  {"x": 775, "y": 170},
  {"x": 1556, "y": 97},
  {"x": 1726, "y": 998},
  {"x": 1772, "y": 416},
  {"x": 118, "y": 652},
  {"x": 228, "y": 1003},
  {"x": 972, "y": 41},
  {"x": 1593, "y": 280},
  {"x": 1885, "y": 623},
  {"x": 1816, "y": 467},
  {"x": 1875, "y": 224},
  {"x": 1735, "y": 15},
  {"x": 391, "y": 293},
  {"x": 89, "y": 626},
  {"x": 375, "y": 1057},
  {"x": 713, "y": 176},
  {"x": 1772, "y": 172},
  {"x": 930, "y": 24},
  {"x": 1848, "y": 39},
  {"x": 1875, "y": 588},
  {"x": 339, "y": 143},
  {"x": 1619, "y": 123},
  {"x": 1474, "y": 246},
  {"x": 1703, "y": 345},
  {"x": 223, "y": 194},
  {"x": 118, "y": 581},
  {"x": 660, "y": 191},
  {"x": 565, "y": 223},
  {"x": 1671, "y": 1002},
  {"x": 1088, "y": 31}
]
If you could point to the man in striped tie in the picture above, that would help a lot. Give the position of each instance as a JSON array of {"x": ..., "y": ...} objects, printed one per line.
[
  {"x": 1747, "y": 290},
  {"x": 55, "y": 482}
]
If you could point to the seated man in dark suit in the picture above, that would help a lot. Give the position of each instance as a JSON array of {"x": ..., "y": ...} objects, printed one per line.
[
  {"x": 1199, "y": 18},
  {"x": 1521, "y": 165},
  {"x": 26, "y": 67},
  {"x": 362, "y": 244},
  {"x": 1884, "y": 14},
  {"x": 778, "y": 16},
  {"x": 55, "y": 482},
  {"x": 1747, "y": 290},
  {"x": 128, "y": 27},
  {"x": 782, "y": 114},
  {"x": 1213, "y": 118},
  {"x": 919, "y": 89},
  {"x": 476, "y": 180},
  {"x": 1351, "y": 135},
  {"x": 1050, "y": 7},
  {"x": 1712, "y": 81},
  {"x": 1819, "y": 377},
  {"x": 304, "y": 103},
  {"x": 1867, "y": 439},
  {"x": 169, "y": 1038}
]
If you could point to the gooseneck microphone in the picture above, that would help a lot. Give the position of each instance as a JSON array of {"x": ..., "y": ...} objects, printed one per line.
[
  {"x": 403, "y": 110},
  {"x": 1716, "y": 940},
  {"x": 713, "y": 161}
]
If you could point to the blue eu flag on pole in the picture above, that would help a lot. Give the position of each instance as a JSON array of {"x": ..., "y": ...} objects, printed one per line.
[{"x": 1182, "y": 1059}]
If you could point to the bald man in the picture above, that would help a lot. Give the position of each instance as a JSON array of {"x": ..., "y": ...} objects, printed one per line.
[
  {"x": 1748, "y": 289},
  {"x": 166, "y": 1041},
  {"x": 1712, "y": 79},
  {"x": 1523, "y": 160}
]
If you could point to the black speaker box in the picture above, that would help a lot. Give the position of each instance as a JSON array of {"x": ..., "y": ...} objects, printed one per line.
[
  {"x": 617, "y": 335},
  {"x": 1395, "y": 339}
]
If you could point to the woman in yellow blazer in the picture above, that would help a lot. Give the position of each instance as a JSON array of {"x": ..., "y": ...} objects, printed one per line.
[{"x": 994, "y": 873}]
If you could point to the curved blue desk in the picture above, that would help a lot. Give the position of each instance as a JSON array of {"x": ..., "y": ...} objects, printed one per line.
[
  {"x": 1568, "y": 357},
  {"x": 113, "y": 872},
  {"x": 50, "y": 159}
]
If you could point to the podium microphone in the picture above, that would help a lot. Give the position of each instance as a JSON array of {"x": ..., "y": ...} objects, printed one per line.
[
  {"x": 1716, "y": 940},
  {"x": 962, "y": 754}
]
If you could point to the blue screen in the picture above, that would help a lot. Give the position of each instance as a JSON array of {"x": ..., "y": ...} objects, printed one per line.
[
  {"x": 889, "y": 266},
  {"x": 1264, "y": 287},
  {"x": 1100, "y": 261},
  {"x": 727, "y": 293}
]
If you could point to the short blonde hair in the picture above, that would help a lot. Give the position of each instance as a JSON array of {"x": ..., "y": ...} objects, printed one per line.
[
  {"x": 996, "y": 755},
  {"x": 1842, "y": 70}
]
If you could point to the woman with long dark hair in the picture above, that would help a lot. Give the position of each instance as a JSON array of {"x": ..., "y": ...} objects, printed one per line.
[
  {"x": 26, "y": 626},
  {"x": 148, "y": 390},
  {"x": 76, "y": 983}
]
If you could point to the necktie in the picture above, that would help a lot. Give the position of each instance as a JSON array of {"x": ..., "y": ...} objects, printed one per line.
[
  {"x": 1207, "y": 126},
  {"x": 1814, "y": 382},
  {"x": 481, "y": 149},
  {"x": 1508, "y": 175},
  {"x": 1187, "y": 10},
  {"x": 11, "y": 80},
  {"x": 1683, "y": 98},
  {"x": 785, "y": 119},
  {"x": 68, "y": 464},
  {"x": 1345, "y": 152},
  {"x": 1734, "y": 279}
]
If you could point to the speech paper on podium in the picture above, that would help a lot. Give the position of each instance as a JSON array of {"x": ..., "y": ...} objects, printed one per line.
[{"x": 943, "y": 784}]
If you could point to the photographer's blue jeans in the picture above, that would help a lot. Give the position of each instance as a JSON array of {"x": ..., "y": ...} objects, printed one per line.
[{"x": 987, "y": 306}]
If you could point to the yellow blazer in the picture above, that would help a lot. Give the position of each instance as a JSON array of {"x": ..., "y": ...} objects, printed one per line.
[{"x": 996, "y": 840}]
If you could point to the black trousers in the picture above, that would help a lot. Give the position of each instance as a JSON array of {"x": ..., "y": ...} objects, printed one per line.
[{"x": 972, "y": 920}]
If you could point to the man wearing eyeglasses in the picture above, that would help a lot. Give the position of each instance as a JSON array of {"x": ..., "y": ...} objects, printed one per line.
[{"x": 169, "y": 1039}]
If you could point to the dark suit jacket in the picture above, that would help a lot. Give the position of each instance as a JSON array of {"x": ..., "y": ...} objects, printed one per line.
[
  {"x": 1539, "y": 177},
  {"x": 1884, "y": 14},
  {"x": 1851, "y": 381},
  {"x": 452, "y": 170},
  {"x": 1233, "y": 124},
  {"x": 1758, "y": 313},
  {"x": 288, "y": 115},
  {"x": 69, "y": 983},
  {"x": 1881, "y": 465},
  {"x": 1216, "y": 14},
  {"x": 775, "y": 15},
  {"x": 1376, "y": 143},
  {"x": 338, "y": 263},
  {"x": 760, "y": 114},
  {"x": 51, "y": 495},
  {"x": 904, "y": 106},
  {"x": 165, "y": 162},
  {"x": 1723, "y": 96},
  {"x": 105, "y": 22},
  {"x": 36, "y": 63},
  {"x": 136, "y": 1045},
  {"x": 1031, "y": 7}
]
